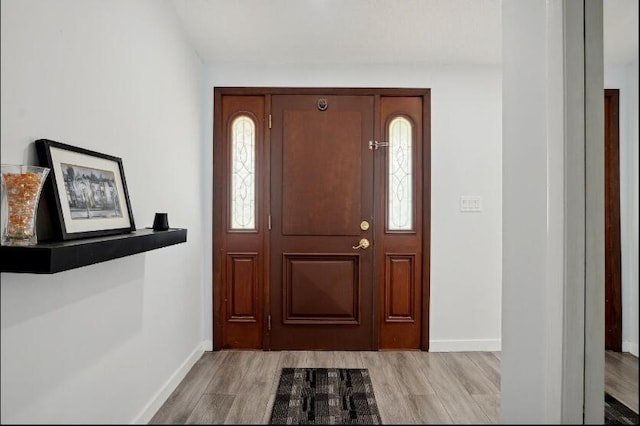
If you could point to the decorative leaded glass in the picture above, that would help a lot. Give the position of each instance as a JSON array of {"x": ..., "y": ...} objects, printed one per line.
[
  {"x": 400, "y": 196},
  {"x": 243, "y": 173}
]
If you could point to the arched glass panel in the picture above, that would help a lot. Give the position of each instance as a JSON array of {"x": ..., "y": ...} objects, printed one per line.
[
  {"x": 243, "y": 173},
  {"x": 400, "y": 178}
]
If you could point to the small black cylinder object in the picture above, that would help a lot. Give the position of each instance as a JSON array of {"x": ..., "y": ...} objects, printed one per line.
[{"x": 161, "y": 222}]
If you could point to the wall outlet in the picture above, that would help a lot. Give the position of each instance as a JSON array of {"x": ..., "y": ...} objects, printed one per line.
[{"x": 470, "y": 203}]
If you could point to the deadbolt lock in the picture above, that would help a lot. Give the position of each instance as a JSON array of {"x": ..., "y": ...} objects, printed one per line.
[{"x": 364, "y": 225}]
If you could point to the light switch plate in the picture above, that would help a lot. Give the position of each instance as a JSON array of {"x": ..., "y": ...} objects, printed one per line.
[{"x": 470, "y": 203}]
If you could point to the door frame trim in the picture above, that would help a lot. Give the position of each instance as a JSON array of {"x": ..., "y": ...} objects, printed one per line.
[
  {"x": 613, "y": 280},
  {"x": 219, "y": 230}
]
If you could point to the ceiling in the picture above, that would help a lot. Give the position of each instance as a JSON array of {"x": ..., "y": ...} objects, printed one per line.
[{"x": 369, "y": 31}]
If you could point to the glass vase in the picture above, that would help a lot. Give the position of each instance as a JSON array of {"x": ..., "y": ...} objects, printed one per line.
[{"x": 21, "y": 188}]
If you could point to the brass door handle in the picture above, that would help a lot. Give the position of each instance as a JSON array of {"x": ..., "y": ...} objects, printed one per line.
[{"x": 364, "y": 243}]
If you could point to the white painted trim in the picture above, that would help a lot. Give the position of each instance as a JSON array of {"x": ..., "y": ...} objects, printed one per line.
[
  {"x": 571, "y": 347},
  {"x": 473, "y": 345},
  {"x": 631, "y": 347},
  {"x": 169, "y": 386},
  {"x": 207, "y": 345},
  {"x": 593, "y": 324}
]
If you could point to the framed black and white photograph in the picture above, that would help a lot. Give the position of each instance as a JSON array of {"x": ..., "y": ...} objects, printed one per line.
[{"x": 88, "y": 190}]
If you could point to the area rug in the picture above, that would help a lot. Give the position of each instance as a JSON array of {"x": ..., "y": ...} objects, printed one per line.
[
  {"x": 616, "y": 413},
  {"x": 328, "y": 396}
]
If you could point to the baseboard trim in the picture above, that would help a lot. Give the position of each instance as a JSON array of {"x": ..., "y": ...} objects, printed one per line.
[
  {"x": 169, "y": 386},
  {"x": 474, "y": 345},
  {"x": 631, "y": 347},
  {"x": 207, "y": 345}
]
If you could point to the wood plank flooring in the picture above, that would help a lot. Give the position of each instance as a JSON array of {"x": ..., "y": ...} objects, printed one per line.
[
  {"x": 411, "y": 387},
  {"x": 238, "y": 387},
  {"x": 621, "y": 377}
]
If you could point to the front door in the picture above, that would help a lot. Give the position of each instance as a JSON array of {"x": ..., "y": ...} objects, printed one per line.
[
  {"x": 321, "y": 195},
  {"x": 612, "y": 260},
  {"x": 321, "y": 219}
]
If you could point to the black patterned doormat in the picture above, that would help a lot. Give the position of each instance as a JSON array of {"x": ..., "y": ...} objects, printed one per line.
[
  {"x": 325, "y": 396},
  {"x": 616, "y": 413}
]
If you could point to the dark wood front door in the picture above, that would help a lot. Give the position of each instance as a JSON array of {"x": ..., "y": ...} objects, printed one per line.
[
  {"x": 321, "y": 192},
  {"x": 612, "y": 265},
  {"x": 321, "y": 218}
]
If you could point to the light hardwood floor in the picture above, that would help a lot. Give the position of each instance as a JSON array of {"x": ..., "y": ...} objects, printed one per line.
[
  {"x": 411, "y": 387},
  {"x": 621, "y": 378}
]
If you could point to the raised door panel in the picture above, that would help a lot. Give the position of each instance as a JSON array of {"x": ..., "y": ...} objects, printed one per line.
[
  {"x": 400, "y": 288},
  {"x": 321, "y": 289},
  {"x": 242, "y": 288},
  {"x": 323, "y": 175}
]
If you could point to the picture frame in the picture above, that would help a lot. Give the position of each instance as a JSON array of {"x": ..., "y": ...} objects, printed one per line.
[{"x": 88, "y": 190}]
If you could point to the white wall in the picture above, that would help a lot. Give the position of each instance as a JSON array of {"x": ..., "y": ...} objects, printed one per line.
[
  {"x": 99, "y": 343},
  {"x": 624, "y": 77},
  {"x": 634, "y": 189},
  {"x": 466, "y": 160},
  {"x": 553, "y": 210},
  {"x": 532, "y": 260}
]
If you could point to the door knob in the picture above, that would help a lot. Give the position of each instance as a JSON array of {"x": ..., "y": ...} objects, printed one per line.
[{"x": 364, "y": 243}]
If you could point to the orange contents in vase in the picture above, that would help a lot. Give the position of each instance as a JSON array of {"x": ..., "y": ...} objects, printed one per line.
[{"x": 22, "y": 191}]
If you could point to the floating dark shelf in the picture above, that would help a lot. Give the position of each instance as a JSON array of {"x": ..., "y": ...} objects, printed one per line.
[{"x": 52, "y": 257}]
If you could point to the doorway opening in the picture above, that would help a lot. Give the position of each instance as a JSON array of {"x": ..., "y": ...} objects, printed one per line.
[
  {"x": 321, "y": 218},
  {"x": 613, "y": 267}
]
